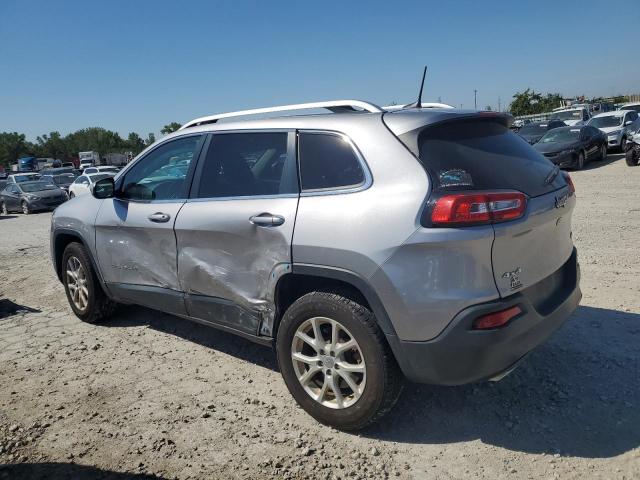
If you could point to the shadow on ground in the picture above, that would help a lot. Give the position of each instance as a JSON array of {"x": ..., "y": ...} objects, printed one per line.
[
  {"x": 195, "y": 332},
  {"x": 611, "y": 157},
  {"x": 7, "y": 217},
  {"x": 64, "y": 471},
  {"x": 8, "y": 308},
  {"x": 576, "y": 395}
]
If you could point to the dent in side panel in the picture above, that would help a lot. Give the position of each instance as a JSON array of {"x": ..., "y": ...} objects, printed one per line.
[
  {"x": 432, "y": 276},
  {"x": 223, "y": 256}
]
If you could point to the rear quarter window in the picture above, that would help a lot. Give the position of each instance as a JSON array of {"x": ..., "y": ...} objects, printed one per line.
[
  {"x": 328, "y": 161},
  {"x": 482, "y": 155}
]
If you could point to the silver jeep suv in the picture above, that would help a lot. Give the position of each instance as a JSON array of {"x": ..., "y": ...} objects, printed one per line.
[{"x": 366, "y": 246}]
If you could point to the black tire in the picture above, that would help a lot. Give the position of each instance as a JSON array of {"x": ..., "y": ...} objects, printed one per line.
[
  {"x": 632, "y": 157},
  {"x": 603, "y": 152},
  {"x": 384, "y": 380},
  {"x": 99, "y": 307},
  {"x": 26, "y": 209},
  {"x": 623, "y": 144},
  {"x": 71, "y": 195},
  {"x": 580, "y": 161},
  {"x": 3, "y": 209}
]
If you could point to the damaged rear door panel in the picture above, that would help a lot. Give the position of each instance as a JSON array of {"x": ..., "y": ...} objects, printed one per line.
[{"x": 234, "y": 233}]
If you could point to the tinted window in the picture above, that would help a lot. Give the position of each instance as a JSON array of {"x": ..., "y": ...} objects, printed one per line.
[
  {"x": 81, "y": 179},
  {"x": 479, "y": 155},
  {"x": 328, "y": 161},
  {"x": 161, "y": 174},
  {"x": 247, "y": 164},
  {"x": 632, "y": 116}
]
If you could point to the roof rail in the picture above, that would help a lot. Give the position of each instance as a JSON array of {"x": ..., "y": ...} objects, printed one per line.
[
  {"x": 391, "y": 108},
  {"x": 335, "y": 106}
]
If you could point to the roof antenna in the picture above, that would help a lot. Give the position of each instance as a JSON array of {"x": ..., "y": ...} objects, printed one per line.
[{"x": 418, "y": 104}]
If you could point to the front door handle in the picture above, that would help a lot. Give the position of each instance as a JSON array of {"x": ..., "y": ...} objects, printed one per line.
[
  {"x": 159, "y": 217},
  {"x": 267, "y": 220}
]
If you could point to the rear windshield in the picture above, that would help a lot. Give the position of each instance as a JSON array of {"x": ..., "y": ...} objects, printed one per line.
[
  {"x": 37, "y": 186},
  {"x": 481, "y": 155}
]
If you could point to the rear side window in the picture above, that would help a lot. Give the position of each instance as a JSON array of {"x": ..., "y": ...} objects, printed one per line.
[
  {"x": 483, "y": 155},
  {"x": 328, "y": 161},
  {"x": 247, "y": 164}
]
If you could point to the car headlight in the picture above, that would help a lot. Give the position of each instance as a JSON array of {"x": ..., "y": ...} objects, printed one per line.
[
  {"x": 566, "y": 152},
  {"x": 615, "y": 133},
  {"x": 32, "y": 197}
]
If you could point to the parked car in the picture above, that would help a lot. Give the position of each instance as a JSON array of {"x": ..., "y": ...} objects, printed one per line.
[
  {"x": 61, "y": 180},
  {"x": 615, "y": 125},
  {"x": 632, "y": 153},
  {"x": 83, "y": 183},
  {"x": 635, "y": 106},
  {"x": 573, "y": 147},
  {"x": 27, "y": 197},
  {"x": 107, "y": 169},
  {"x": 534, "y": 131},
  {"x": 22, "y": 177},
  {"x": 571, "y": 116},
  {"x": 3, "y": 183},
  {"x": 298, "y": 232}
]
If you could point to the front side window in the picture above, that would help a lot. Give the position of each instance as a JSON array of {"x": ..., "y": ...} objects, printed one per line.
[
  {"x": 328, "y": 161},
  {"x": 247, "y": 164},
  {"x": 162, "y": 173}
]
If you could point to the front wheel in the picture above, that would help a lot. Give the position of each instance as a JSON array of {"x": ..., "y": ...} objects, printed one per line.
[
  {"x": 336, "y": 362},
  {"x": 632, "y": 157},
  {"x": 84, "y": 293},
  {"x": 623, "y": 144},
  {"x": 26, "y": 209},
  {"x": 603, "y": 152},
  {"x": 580, "y": 161},
  {"x": 71, "y": 195},
  {"x": 3, "y": 208}
]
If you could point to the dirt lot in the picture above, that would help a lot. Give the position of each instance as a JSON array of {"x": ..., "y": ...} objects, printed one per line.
[{"x": 150, "y": 394}]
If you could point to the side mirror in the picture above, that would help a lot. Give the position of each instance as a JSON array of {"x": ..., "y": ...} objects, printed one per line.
[{"x": 104, "y": 188}]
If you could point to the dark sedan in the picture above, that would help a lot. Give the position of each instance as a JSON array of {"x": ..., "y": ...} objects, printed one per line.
[
  {"x": 27, "y": 197},
  {"x": 533, "y": 132},
  {"x": 62, "y": 180},
  {"x": 573, "y": 146}
]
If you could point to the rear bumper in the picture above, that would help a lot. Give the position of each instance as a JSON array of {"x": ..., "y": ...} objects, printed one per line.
[{"x": 461, "y": 355}]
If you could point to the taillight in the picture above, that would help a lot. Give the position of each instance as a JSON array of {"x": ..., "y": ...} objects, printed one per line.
[
  {"x": 478, "y": 208},
  {"x": 496, "y": 319},
  {"x": 572, "y": 187}
]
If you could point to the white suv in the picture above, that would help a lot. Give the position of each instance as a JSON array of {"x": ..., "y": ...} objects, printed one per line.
[{"x": 615, "y": 125}]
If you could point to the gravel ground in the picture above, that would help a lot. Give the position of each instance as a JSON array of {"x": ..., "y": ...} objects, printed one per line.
[{"x": 148, "y": 394}]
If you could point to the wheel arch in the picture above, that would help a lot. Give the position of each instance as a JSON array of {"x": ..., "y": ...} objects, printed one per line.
[
  {"x": 61, "y": 239},
  {"x": 306, "y": 278}
]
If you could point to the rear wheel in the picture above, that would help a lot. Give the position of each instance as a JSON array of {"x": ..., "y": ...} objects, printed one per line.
[
  {"x": 632, "y": 157},
  {"x": 580, "y": 161},
  {"x": 335, "y": 361},
  {"x": 84, "y": 293},
  {"x": 26, "y": 209}
]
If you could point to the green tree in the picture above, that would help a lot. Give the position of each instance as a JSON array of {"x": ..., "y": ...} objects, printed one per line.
[
  {"x": 172, "y": 127},
  {"x": 151, "y": 138},
  {"x": 135, "y": 143},
  {"x": 13, "y": 145},
  {"x": 530, "y": 102}
]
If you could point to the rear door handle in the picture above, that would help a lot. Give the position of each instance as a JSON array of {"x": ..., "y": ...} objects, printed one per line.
[
  {"x": 267, "y": 220},
  {"x": 159, "y": 217}
]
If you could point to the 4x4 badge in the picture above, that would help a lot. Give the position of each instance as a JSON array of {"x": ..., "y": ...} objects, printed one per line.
[
  {"x": 514, "y": 278},
  {"x": 562, "y": 200}
]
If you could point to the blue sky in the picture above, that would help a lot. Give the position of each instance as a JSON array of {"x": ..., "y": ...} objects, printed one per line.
[{"x": 136, "y": 65}]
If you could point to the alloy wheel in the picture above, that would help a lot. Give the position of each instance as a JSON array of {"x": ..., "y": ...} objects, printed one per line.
[
  {"x": 77, "y": 283},
  {"x": 25, "y": 208},
  {"x": 328, "y": 362}
]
